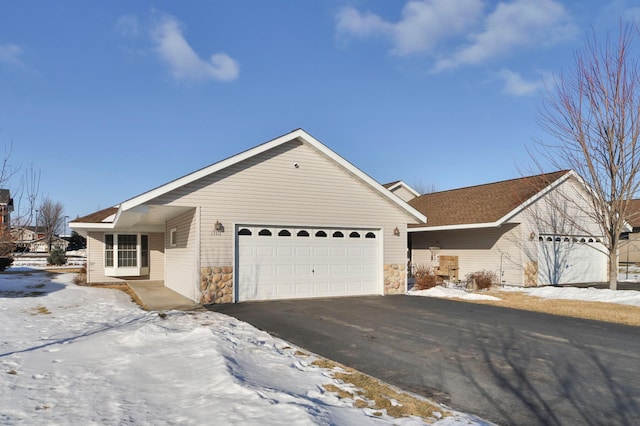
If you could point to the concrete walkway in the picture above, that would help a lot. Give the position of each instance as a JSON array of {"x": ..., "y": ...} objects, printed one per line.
[{"x": 156, "y": 297}]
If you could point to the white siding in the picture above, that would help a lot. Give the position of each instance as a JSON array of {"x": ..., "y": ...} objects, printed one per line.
[
  {"x": 477, "y": 249},
  {"x": 269, "y": 190},
  {"x": 404, "y": 193},
  {"x": 182, "y": 272}
]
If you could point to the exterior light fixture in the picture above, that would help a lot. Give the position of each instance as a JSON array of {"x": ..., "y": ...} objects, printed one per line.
[
  {"x": 396, "y": 232},
  {"x": 218, "y": 227}
]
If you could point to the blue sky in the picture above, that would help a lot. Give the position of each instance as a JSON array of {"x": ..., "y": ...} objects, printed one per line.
[{"x": 110, "y": 99}]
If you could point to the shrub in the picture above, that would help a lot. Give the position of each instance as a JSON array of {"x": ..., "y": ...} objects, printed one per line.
[
  {"x": 81, "y": 278},
  {"x": 57, "y": 257},
  {"x": 425, "y": 278},
  {"x": 482, "y": 279}
]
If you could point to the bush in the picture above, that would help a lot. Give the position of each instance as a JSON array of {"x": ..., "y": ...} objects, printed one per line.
[
  {"x": 57, "y": 257},
  {"x": 482, "y": 279},
  {"x": 81, "y": 278},
  {"x": 425, "y": 278},
  {"x": 5, "y": 262}
]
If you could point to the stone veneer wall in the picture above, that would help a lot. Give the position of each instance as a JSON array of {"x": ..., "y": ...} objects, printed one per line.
[
  {"x": 395, "y": 277},
  {"x": 216, "y": 284}
]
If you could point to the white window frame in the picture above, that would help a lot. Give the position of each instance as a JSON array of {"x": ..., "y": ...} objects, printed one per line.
[
  {"x": 173, "y": 237},
  {"x": 126, "y": 271}
]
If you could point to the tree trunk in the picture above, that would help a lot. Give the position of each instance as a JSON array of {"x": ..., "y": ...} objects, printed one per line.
[{"x": 613, "y": 269}]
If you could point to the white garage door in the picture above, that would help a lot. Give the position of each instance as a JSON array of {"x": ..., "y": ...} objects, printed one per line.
[
  {"x": 571, "y": 260},
  {"x": 294, "y": 262}
]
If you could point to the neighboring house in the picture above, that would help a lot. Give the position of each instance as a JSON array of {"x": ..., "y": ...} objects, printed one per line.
[
  {"x": 24, "y": 236},
  {"x": 529, "y": 231},
  {"x": 629, "y": 248},
  {"x": 287, "y": 219},
  {"x": 41, "y": 245},
  {"x": 6, "y": 207},
  {"x": 30, "y": 238},
  {"x": 402, "y": 190}
]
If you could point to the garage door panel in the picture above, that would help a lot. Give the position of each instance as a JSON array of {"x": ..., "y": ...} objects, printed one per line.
[
  {"x": 297, "y": 263},
  {"x": 570, "y": 262}
]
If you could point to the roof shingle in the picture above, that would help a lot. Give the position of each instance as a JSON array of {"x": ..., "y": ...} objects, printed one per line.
[{"x": 481, "y": 203}]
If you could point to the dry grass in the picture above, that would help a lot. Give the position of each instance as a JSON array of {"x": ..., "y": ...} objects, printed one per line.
[
  {"x": 370, "y": 392},
  {"x": 600, "y": 311},
  {"x": 125, "y": 288}
]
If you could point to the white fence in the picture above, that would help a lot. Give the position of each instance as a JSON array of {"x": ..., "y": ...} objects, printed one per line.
[{"x": 40, "y": 259}]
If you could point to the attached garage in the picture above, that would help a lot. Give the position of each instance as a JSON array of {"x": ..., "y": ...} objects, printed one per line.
[
  {"x": 571, "y": 260},
  {"x": 302, "y": 262},
  {"x": 286, "y": 219}
]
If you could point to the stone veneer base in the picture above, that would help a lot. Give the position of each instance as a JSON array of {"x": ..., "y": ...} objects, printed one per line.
[{"x": 216, "y": 284}]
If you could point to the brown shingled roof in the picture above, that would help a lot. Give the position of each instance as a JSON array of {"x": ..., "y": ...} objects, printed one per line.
[
  {"x": 482, "y": 203},
  {"x": 98, "y": 216}
]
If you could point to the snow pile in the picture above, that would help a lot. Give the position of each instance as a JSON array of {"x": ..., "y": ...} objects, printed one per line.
[
  {"x": 450, "y": 293},
  {"x": 623, "y": 297},
  {"x": 81, "y": 355}
]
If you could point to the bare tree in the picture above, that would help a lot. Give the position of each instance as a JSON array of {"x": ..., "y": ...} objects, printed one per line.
[
  {"x": 51, "y": 217},
  {"x": 593, "y": 114},
  {"x": 422, "y": 189}
]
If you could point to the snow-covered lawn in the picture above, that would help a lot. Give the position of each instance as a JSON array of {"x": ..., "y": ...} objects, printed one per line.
[
  {"x": 623, "y": 297},
  {"x": 82, "y": 355}
]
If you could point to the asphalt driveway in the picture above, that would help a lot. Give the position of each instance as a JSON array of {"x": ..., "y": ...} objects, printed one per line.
[{"x": 504, "y": 365}]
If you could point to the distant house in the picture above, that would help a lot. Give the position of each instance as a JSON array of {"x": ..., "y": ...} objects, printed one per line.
[
  {"x": 6, "y": 207},
  {"x": 629, "y": 248},
  {"x": 402, "y": 190},
  {"x": 41, "y": 245},
  {"x": 529, "y": 231},
  {"x": 33, "y": 239}
]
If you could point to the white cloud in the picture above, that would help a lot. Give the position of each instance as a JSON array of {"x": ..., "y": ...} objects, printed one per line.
[
  {"x": 472, "y": 35},
  {"x": 423, "y": 25},
  {"x": 521, "y": 23},
  {"x": 515, "y": 84},
  {"x": 183, "y": 61},
  {"x": 10, "y": 54}
]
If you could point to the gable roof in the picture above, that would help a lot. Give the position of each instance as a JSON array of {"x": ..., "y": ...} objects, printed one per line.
[
  {"x": 482, "y": 205},
  {"x": 392, "y": 186},
  {"x": 100, "y": 219}
]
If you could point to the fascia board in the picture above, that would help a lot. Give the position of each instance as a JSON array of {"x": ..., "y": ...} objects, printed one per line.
[{"x": 454, "y": 227}]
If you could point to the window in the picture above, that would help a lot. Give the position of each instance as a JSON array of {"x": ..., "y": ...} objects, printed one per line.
[
  {"x": 127, "y": 250},
  {"x": 370, "y": 235},
  {"x": 144, "y": 251},
  {"x": 284, "y": 233},
  {"x": 321, "y": 234},
  {"x": 264, "y": 233},
  {"x": 303, "y": 233},
  {"x": 126, "y": 255},
  {"x": 338, "y": 234},
  {"x": 173, "y": 237},
  {"x": 354, "y": 234},
  {"x": 244, "y": 231},
  {"x": 108, "y": 250}
]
